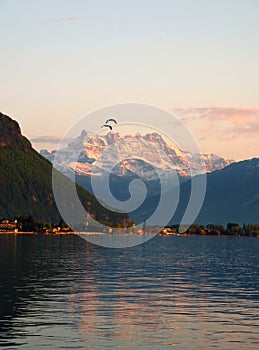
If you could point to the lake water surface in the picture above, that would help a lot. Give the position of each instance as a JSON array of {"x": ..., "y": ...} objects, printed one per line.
[{"x": 169, "y": 293}]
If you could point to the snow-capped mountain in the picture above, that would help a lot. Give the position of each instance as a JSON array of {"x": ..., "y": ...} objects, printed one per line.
[
  {"x": 232, "y": 189},
  {"x": 145, "y": 156}
]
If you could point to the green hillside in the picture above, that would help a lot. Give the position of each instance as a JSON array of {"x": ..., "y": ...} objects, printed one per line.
[{"x": 26, "y": 181}]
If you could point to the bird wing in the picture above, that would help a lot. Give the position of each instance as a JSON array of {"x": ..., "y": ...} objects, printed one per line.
[
  {"x": 111, "y": 120},
  {"x": 107, "y": 126}
]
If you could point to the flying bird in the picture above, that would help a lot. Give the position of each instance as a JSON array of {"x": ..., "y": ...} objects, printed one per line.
[
  {"x": 107, "y": 126},
  {"x": 111, "y": 120}
]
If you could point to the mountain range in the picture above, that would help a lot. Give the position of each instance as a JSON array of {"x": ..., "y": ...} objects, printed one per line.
[
  {"x": 137, "y": 154},
  {"x": 232, "y": 192},
  {"x": 127, "y": 157}
]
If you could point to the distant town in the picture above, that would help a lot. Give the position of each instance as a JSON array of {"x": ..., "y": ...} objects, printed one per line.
[{"x": 27, "y": 224}]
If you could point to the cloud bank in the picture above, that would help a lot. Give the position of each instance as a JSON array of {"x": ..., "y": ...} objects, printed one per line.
[
  {"x": 229, "y": 131},
  {"x": 235, "y": 121}
]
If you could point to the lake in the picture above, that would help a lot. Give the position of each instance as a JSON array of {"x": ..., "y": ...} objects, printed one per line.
[{"x": 61, "y": 292}]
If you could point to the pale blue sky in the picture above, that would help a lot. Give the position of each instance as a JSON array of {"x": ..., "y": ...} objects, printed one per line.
[{"x": 62, "y": 59}]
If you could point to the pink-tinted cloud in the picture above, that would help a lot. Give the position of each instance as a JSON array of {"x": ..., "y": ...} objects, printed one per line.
[
  {"x": 225, "y": 122},
  {"x": 220, "y": 112},
  {"x": 66, "y": 19},
  {"x": 231, "y": 132}
]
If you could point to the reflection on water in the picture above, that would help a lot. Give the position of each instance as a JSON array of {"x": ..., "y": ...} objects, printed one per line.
[{"x": 172, "y": 292}]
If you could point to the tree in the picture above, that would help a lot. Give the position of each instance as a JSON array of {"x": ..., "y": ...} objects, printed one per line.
[
  {"x": 144, "y": 227},
  {"x": 233, "y": 228}
]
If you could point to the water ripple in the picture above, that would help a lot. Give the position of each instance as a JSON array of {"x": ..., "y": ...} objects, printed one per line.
[{"x": 177, "y": 292}]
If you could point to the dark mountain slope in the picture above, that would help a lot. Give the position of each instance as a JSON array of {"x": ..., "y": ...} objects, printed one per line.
[
  {"x": 232, "y": 195},
  {"x": 26, "y": 180}
]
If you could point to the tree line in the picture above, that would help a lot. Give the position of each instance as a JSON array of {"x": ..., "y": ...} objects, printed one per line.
[{"x": 231, "y": 228}]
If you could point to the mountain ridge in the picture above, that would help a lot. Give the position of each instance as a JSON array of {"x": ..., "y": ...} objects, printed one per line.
[
  {"x": 232, "y": 195},
  {"x": 124, "y": 158},
  {"x": 150, "y": 148}
]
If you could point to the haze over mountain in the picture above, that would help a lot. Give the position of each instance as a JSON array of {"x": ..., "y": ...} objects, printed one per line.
[{"x": 26, "y": 181}]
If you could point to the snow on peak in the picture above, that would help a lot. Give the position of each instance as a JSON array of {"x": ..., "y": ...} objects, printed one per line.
[{"x": 127, "y": 154}]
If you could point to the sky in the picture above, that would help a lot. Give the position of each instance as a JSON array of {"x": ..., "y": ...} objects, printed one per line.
[{"x": 197, "y": 59}]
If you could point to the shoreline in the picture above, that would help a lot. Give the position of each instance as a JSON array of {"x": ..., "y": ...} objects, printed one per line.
[
  {"x": 65, "y": 233},
  {"x": 35, "y": 233}
]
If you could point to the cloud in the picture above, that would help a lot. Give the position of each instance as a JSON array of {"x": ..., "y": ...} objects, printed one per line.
[
  {"x": 220, "y": 112},
  {"x": 66, "y": 19},
  {"x": 46, "y": 139},
  {"x": 225, "y": 122}
]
